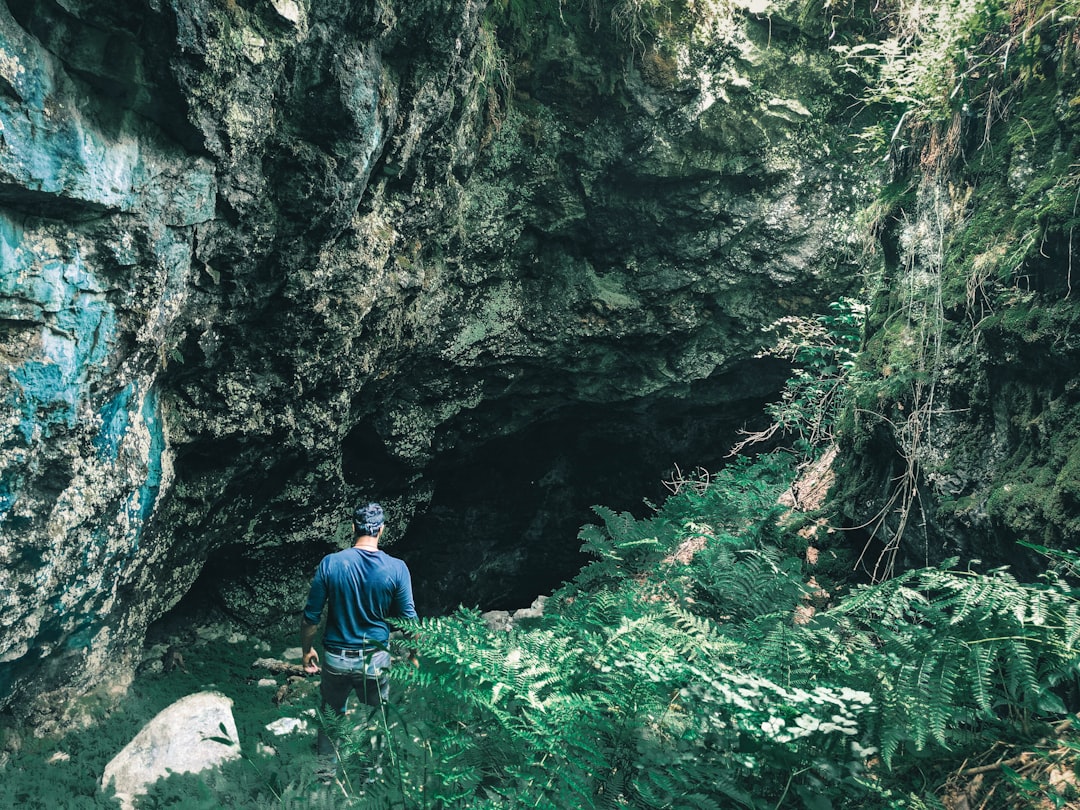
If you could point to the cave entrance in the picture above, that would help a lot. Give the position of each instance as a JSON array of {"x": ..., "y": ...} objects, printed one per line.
[{"x": 502, "y": 525}]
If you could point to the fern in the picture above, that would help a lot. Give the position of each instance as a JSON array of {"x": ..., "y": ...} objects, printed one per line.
[
  {"x": 742, "y": 584},
  {"x": 670, "y": 673},
  {"x": 954, "y": 647}
]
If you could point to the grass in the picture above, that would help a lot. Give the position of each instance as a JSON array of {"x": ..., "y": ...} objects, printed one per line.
[{"x": 275, "y": 771}]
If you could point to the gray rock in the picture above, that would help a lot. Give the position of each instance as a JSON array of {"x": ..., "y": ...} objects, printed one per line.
[
  {"x": 497, "y": 620},
  {"x": 194, "y": 734}
]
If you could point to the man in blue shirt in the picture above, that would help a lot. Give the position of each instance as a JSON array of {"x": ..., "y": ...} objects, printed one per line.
[{"x": 363, "y": 587}]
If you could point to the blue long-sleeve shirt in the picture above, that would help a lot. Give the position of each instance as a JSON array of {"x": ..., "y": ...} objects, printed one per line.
[{"x": 363, "y": 589}]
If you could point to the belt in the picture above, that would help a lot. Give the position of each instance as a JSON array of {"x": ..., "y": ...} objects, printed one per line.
[{"x": 351, "y": 653}]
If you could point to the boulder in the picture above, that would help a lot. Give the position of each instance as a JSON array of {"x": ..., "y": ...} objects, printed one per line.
[
  {"x": 503, "y": 620},
  {"x": 497, "y": 619},
  {"x": 194, "y": 734}
]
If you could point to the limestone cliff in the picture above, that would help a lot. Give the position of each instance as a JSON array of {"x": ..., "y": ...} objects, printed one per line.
[{"x": 263, "y": 257}]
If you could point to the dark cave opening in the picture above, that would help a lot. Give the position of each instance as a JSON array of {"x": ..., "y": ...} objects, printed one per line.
[{"x": 502, "y": 525}]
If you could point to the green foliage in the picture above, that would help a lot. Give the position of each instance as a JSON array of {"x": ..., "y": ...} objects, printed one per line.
[
  {"x": 633, "y": 21},
  {"x": 523, "y": 26},
  {"x": 912, "y": 66},
  {"x": 972, "y": 317},
  {"x": 925, "y": 63},
  {"x": 587, "y": 713},
  {"x": 36, "y": 778},
  {"x": 672, "y": 672},
  {"x": 522, "y": 16},
  {"x": 824, "y": 349},
  {"x": 957, "y": 654},
  {"x": 675, "y": 671},
  {"x": 639, "y": 21}
]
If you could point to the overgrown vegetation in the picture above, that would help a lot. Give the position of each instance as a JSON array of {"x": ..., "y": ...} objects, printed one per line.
[
  {"x": 698, "y": 662},
  {"x": 701, "y": 660},
  {"x": 963, "y": 419},
  {"x": 709, "y": 656},
  {"x": 824, "y": 350}
]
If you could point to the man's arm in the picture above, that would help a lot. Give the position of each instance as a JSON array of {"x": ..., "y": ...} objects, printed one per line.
[
  {"x": 309, "y": 622},
  {"x": 307, "y": 639},
  {"x": 403, "y": 595},
  {"x": 403, "y": 603}
]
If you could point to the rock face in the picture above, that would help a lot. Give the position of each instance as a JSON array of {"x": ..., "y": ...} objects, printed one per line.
[
  {"x": 965, "y": 436},
  {"x": 100, "y": 200},
  {"x": 194, "y": 734},
  {"x": 261, "y": 260}
]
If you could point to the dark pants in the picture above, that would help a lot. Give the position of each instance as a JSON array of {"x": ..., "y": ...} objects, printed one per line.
[{"x": 364, "y": 674}]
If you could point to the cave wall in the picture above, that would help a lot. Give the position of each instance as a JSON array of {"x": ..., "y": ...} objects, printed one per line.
[
  {"x": 100, "y": 202},
  {"x": 263, "y": 258},
  {"x": 964, "y": 432}
]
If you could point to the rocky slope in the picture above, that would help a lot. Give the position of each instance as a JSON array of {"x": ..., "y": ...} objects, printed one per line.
[{"x": 263, "y": 258}]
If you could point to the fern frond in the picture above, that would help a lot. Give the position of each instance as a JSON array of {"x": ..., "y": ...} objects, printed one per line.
[
  {"x": 1018, "y": 669},
  {"x": 953, "y": 647},
  {"x": 696, "y": 635},
  {"x": 981, "y": 661}
]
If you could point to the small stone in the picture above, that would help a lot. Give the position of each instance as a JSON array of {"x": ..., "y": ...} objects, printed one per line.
[
  {"x": 287, "y": 725},
  {"x": 497, "y": 620}
]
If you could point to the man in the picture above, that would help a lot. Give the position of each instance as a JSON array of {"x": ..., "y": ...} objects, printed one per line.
[{"x": 363, "y": 587}]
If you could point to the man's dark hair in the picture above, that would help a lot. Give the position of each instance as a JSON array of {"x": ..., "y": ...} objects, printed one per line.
[{"x": 368, "y": 519}]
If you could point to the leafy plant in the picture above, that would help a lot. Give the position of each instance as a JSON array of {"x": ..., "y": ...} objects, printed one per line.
[
  {"x": 672, "y": 670},
  {"x": 824, "y": 350},
  {"x": 934, "y": 69}
]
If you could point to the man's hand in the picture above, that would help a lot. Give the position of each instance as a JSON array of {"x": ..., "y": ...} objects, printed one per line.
[
  {"x": 307, "y": 649},
  {"x": 311, "y": 661}
]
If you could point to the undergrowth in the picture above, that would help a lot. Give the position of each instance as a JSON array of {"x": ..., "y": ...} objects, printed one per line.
[
  {"x": 65, "y": 771},
  {"x": 682, "y": 669},
  {"x": 696, "y": 662}
]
